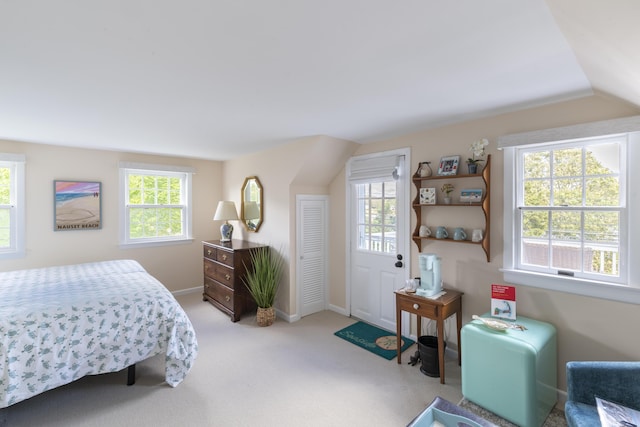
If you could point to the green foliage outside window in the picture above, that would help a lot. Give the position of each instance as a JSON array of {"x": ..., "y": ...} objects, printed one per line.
[
  {"x": 5, "y": 201},
  {"x": 579, "y": 178},
  {"x": 155, "y": 206}
]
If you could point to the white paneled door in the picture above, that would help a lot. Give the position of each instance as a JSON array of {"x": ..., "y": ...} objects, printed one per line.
[
  {"x": 378, "y": 194},
  {"x": 312, "y": 232}
]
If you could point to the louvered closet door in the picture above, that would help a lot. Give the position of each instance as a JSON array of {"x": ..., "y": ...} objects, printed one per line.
[{"x": 312, "y": 250}]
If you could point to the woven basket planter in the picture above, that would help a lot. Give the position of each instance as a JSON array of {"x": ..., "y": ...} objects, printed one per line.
[{"x": 266, "y": 316}]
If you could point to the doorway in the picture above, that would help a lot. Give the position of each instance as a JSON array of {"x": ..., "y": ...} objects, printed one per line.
[{"x": 378, "y": 234}]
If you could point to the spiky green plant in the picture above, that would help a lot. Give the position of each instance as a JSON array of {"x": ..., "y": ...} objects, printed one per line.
[{"x": 263, "y": 278}]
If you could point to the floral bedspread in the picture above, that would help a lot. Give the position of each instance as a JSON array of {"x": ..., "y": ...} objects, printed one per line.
[{"x": 58, "y": 324}]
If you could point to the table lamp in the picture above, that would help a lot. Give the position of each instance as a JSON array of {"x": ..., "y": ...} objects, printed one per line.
[
  {"x": 251, "y": 214},
  {"x": 226, "y": 211}
]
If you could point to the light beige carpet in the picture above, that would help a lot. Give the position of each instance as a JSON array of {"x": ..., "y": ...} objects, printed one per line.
[{"x": 288, "y": 374}]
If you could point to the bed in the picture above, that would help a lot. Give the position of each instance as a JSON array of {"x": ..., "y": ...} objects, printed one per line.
[{"x": 59, "y": 324}]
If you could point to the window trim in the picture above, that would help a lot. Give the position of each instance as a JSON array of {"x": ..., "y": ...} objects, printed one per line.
[
  {"x": 629, "y": 292},
  {"x": 153, "y": 169},
  {"x": 18, "y": 226}
]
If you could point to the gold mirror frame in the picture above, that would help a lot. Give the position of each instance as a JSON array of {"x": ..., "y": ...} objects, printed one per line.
[{"x": 251, "y": 206}]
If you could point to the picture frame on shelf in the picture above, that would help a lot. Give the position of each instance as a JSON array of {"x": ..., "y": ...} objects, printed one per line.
[
  {"x": 428, "y": 196},
  {"x": 471, "y": 195},
  {"x": 448, "y": 165}
]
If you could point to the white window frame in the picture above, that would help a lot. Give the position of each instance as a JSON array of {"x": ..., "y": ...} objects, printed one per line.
[
  {"x": 184, "y": 173},
  {"x": 16, "y": 164},
  {"x": 627, "y": 291}
]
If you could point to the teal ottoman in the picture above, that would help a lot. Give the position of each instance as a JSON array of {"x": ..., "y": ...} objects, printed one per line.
[{"x": 511, "y": 373}]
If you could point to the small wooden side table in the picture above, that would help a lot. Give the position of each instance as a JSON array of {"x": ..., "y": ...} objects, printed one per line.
[{"x": 437, "y": 309}]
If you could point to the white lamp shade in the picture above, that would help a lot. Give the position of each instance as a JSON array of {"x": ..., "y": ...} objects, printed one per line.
[
  {"x": 226, "y": 211},
  {"x": 251, "y": 210}
]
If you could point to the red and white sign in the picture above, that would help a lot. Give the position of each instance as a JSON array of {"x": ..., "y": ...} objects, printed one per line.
[{"x": 503, "y": 301}]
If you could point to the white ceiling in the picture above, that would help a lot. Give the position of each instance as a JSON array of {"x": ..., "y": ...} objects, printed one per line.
[{"x": 215, "y": 79}]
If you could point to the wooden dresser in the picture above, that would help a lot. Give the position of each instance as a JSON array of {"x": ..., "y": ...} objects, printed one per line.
[{"x": 225, "y": 264}]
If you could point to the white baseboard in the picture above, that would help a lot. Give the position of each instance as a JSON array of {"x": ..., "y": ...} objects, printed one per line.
[{"x": 187, "y": 291}]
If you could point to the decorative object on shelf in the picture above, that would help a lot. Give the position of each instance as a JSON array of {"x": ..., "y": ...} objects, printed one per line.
[
  {"x": 442, "y": 233},
  {"x": 424, "y": 170},
  {"x": 476, "y": 235},
  {"x": 427, "y": 196},
  {"x": 448, "y": 165},
  {"x": 263, "y": 281},
  {"x": 447, "y": 189},
  {"x": 471, "y": 195},
  {"x": 226, "y": 212},
  {"x": 477, "y": 148},
  {"x": 424, "y": 231},
  {"x": 459, "y": 234}
]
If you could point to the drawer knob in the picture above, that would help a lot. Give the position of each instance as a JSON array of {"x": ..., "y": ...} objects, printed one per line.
[
  {"x": 227, "y": 276},
  {"x": 224, "y": 257},
  {"x": 227, "y": 298},
  {"x": 208, "y": 251},
  {"x": 416, "y": 306}
]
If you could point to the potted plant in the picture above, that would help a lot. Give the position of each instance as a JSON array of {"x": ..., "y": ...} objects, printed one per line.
[
  {"x": 262, "y": 281},
  {"x": 447, "y": 189},
  {"x": 478, "y": 151}
]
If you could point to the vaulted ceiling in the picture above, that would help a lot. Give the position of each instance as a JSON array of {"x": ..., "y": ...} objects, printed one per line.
[{"x": 216, "y": 79}]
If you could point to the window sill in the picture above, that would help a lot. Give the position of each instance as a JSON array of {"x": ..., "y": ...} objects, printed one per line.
[
  {"x": 147, "y": 243},
  {"x": 573, "y": 285}
]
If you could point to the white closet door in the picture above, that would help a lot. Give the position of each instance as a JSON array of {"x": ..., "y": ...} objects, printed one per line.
[{"x": 312, "y": 220}]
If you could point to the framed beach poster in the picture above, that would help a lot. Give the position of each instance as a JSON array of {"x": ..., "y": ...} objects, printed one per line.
[{"x": 77, "y": 205}]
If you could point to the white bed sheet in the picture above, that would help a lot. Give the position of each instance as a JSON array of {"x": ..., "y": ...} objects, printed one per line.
[{"x": 58, "y": 324}]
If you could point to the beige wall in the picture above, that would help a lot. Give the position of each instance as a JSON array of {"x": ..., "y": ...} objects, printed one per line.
[
  {"x": 305, "y": 166},
  {"x": 587, "y": 328},
  {"x": 177, "y": 266}
]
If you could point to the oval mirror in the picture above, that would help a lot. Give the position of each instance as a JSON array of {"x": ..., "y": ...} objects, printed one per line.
[{"x": 251, "y": 208}]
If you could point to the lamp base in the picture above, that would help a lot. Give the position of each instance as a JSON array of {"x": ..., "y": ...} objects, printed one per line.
[{"x": 226, "y": 230}]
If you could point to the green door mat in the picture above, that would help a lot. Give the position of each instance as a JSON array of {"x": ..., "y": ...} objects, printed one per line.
[{"x": 376, "y": 340}]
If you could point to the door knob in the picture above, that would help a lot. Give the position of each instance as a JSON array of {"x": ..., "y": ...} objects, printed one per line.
[{"x": 398, "y": 264}]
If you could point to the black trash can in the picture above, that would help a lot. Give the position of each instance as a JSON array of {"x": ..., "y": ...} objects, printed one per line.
[{"x": 428, "y": 348}]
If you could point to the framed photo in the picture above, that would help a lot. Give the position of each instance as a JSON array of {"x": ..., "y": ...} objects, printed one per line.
[
  {"x": 449, "y": 165},
  {"x": 77, "y": 205},
  {"x": 427, "y": 196},
  {"x": 473, "y": 195}
]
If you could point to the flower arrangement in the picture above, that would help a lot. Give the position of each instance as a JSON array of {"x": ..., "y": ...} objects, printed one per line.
[
  {"x": 478, "y": 151},
  {"x": 447, "y": 189}
]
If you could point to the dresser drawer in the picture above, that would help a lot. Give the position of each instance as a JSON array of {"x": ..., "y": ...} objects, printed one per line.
[
  {"x": 209, "y": 252},
  {"x": 220, "y": 293},
  {"x": 224, "y": 257},
  {"x": 224, "y": 275}
]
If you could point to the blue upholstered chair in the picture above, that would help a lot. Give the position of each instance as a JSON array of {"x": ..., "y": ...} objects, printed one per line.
[{"x": 617, "y": 382}]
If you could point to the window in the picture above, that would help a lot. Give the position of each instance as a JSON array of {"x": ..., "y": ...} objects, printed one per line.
[
  {"x": 571, "y": 209},
  {"x": 156, "y": 204},
  {"x": 568, "y": 209},
  {"x": 377, "y": 216},
  {"x": 11, "y": 206}
]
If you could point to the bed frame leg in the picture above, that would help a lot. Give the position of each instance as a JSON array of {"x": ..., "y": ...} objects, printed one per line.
[{"x": 131, "y": 374}]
